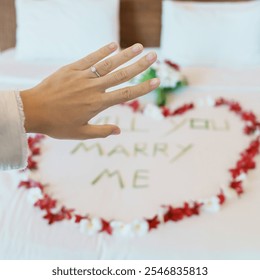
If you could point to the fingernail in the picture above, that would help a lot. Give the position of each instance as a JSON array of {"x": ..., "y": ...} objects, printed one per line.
[
  {"x": 154, "y": 83},
  {"x": 137, "y": 48},
  {"x": 151, "y": 56},
  {"x": 117, "y": 131},
  {"x": 112, "y": 46}
]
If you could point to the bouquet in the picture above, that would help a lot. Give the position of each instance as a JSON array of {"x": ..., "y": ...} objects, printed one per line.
[{"x": 170, "y": 76}]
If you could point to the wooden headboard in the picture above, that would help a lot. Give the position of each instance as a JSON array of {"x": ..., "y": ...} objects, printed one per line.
[{"x": 140, "y": 21}]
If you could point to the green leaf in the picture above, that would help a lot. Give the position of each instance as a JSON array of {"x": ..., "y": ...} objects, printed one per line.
[
  {"x": 148, "y": 74},
  {"x": 161, "y": 97}
]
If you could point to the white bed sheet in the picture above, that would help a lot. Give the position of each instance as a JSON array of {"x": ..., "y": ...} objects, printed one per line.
[{"x": 234, "y": 233}]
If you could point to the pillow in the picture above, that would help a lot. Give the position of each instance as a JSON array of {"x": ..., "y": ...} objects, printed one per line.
[
  {"x": 211, "y": 33},
  {"x": 64, "y": 30}
]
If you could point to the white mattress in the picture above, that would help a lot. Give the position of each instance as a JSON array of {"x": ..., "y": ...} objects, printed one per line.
[{"x": 233, "y": 233}]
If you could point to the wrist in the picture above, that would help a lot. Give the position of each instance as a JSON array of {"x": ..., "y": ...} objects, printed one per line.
[{"x": 30, "y": 111}]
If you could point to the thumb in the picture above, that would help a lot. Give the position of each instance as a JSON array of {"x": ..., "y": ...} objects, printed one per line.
[{"x": 99, "y": 131}]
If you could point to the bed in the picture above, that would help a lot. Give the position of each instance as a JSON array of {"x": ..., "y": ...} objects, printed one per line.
[{"x": 232, "y": 233}]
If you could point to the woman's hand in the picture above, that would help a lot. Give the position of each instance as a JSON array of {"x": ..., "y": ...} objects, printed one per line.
[{"x": 62, "y": 105}]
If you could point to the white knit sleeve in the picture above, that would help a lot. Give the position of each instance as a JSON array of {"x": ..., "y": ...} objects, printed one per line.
[{"x": 13, "y": 140}]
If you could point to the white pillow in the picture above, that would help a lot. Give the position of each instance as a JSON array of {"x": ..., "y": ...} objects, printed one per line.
[
  {"x": 211, "y": 33},
  {"x": 64, "y": 30}
]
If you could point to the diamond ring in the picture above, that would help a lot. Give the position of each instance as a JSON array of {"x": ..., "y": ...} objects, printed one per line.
[{"x": 94, "y": 70}]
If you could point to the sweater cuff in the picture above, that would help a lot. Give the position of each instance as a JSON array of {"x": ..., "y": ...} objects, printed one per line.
[{"x": 13, "y": 138}]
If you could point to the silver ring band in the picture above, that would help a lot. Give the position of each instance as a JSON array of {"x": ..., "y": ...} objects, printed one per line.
[{"x": 94, "y": 70}]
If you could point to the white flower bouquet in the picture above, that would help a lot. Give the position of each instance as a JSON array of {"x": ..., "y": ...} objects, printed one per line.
[{"x": 170, "y": 76}]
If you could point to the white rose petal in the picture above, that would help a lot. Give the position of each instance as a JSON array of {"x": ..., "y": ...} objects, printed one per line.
[
  {"x": 162, "y": 211},
  {"x": 34, "y": 195},
  {"x": 90, "y": 226},
  {"x": 140, "y": 227},
  {"x": 248, "y": 123},
  {"x": 121, "y": 229},
  {"x": 242, "y": 177},
  {"x": 200, "y": 102},
  {"x": 257, "y": 132},
  {"x": 229, "y": 193},
  {"x": 211, "y": 205},
  {"x": 169, "y": 76},
  {"x": 153, "y": 111},
  {"x": 156, "y": 66},
  {"x": 136, "y": 228},
  {"x": 210, "y": 101},
  {"x": 116, "y": 225},
  {"x": 83, "y": 225}
]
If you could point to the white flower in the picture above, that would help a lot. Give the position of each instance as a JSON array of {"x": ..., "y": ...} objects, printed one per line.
[
  {"x": 34, "y": 195},
  {"x": 136, "y": 228},
  {"x": 200, "y": 102},
  {"x": 153, "y": 111},
  {"x": 242, "y": 177},
  {"x": 248, "y": 123},
  {"x": 210, "y": 101},
  {"x": 139, "y": 227},
  {"x": 229, "y": 193},
  {"x": 121, "y": 229},
  {"x": 90, "y": 226},
  {"x": 257, "y": 132},
  {"x": 162, "y": 211},
  {"x": 211, "y": 205},
  {"x": 168, "y": 75}
]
